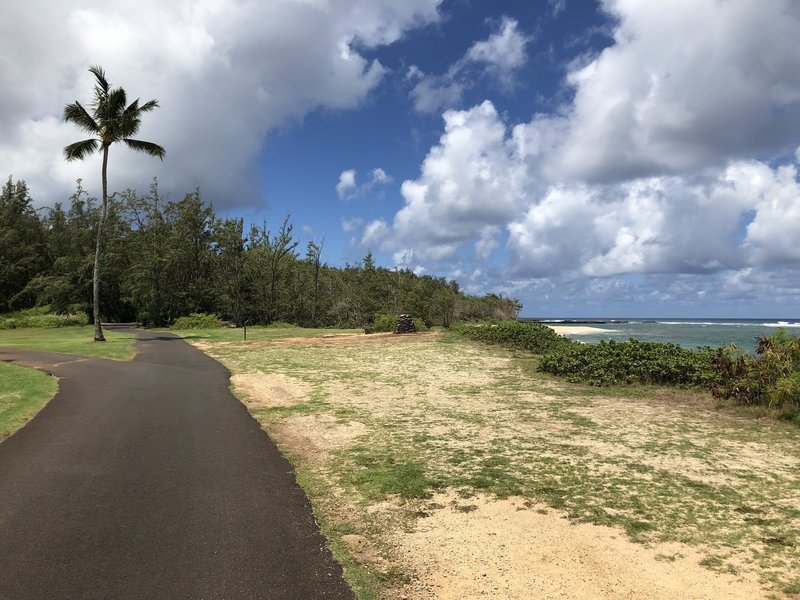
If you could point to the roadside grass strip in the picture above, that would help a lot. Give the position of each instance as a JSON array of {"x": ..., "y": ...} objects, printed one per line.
[
  {"x": 376, "y": 431},
  {"x": 71, "y": 340},
  {"x": 23, "y": 393}
]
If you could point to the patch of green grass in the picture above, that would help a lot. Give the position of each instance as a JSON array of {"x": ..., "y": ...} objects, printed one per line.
[
  {"x": 23, "y": 392},
  {"x": 464, "y": 390},
  {"x": 493, "y": 474},
  {"x": 71, "y": 340},
  {"x": 792, "y": 588},
  {"x": 635, "y": 527},
  {"x": 272, "y": 414},
  {"x": 713, "y": 562},
  {"x": 379, "y": 474},
  {"x": 577, "y": 420}
]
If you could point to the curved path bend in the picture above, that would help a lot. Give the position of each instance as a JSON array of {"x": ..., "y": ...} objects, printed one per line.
[{"x": 149, "y": 480}]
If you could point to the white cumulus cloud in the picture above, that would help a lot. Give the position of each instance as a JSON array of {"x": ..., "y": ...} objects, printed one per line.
[
  {"x": 656, "y": 182},
  {"x": 226, "y": 72},
  {"x": 474, "y": 178},
  {"x": 347, "y": 183},
  {"x": 685, "y": 85},
  {"x": 504, "y": 51},
  {"x": 348, "y": 188},
  {"x": 499, "y": 56}
]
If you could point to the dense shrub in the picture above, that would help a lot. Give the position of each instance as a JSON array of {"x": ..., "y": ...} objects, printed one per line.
[
  {"x": 420, "y": 324},
  {"x": 523, "y": 335},
  {"x": 383, "y": 322},
  {"x": 41, "y": 317},
  {"x": 772, "y": 377},
  {"x": 197, "y": 321},
  {"x": 612, "y": 362}
]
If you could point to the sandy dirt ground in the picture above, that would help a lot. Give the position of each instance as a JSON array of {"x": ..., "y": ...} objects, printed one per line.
[
  {"x": 510, "y": 549},
  {"x": 478, "y": 546}
]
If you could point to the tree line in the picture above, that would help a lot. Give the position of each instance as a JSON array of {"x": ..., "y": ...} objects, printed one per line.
[{"x": 165, "y": 259}]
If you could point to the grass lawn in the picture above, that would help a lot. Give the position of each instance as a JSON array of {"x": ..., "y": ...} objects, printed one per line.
[
  {"x": 23, "y": 393},
  {"x": 70, "y": 340},
  {"x": 392, "y": 436}
]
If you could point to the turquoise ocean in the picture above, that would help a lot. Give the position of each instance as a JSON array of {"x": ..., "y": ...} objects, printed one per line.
[{"x": 689, "y": 333}]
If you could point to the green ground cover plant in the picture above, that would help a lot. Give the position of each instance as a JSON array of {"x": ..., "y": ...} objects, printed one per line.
[
  {"x": 521, "y": 335},
  {"x": 23, "y": 392},
  {"x": 613, "y": 362}
]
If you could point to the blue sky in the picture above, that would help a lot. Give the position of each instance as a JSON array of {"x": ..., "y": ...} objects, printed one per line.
[{"x": 599, "y": 159}]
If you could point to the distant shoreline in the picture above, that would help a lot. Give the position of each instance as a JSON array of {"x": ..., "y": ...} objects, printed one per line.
[
  {"x": 744, "y": 333},
  {"x": 551, "y": 322},
  {"x": 576, "y": 329}
]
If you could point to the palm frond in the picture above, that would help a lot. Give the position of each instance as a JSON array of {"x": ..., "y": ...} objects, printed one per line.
[
  {"x": 75, "y": 113},
  {"x": 115, "y": 103},
  {"x": 112, "y": 116},
  {"x": 146, "y": 147},
  {"x": 127, "y": 126},
  {"x": 100, "y": 76},
  {"x": 148, "y": 106},
  {"x": 80, "y": 150},
  {"x": 129, "y": 121},
  {"x": 132, "y": 108}
]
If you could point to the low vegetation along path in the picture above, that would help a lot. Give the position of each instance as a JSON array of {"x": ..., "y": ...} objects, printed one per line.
[{"x": 148, "y": 479}]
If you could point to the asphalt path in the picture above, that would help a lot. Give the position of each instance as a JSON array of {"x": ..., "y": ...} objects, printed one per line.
[{"x": 148, "y": 479}]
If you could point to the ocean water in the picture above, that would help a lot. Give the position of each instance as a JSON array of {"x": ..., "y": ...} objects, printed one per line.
[{"x": 689, "y": 333}]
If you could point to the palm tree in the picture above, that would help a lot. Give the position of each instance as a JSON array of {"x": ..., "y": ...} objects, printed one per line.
[{"x": 110, "y": 121}]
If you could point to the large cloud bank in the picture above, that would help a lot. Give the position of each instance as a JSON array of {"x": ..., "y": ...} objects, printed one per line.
[
  {"x": 224, "y": 71},
  {"x": 675, "y": 155}
]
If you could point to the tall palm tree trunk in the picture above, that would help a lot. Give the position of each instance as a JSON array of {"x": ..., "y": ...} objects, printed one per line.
[
  {"x": 101, "y": 226},
  {"x": 111, "y": 121}
]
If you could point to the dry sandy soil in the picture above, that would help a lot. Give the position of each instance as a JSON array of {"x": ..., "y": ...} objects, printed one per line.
[
  {"x": 457, "y": 409},
  {"x": 509, "y": 549}
]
